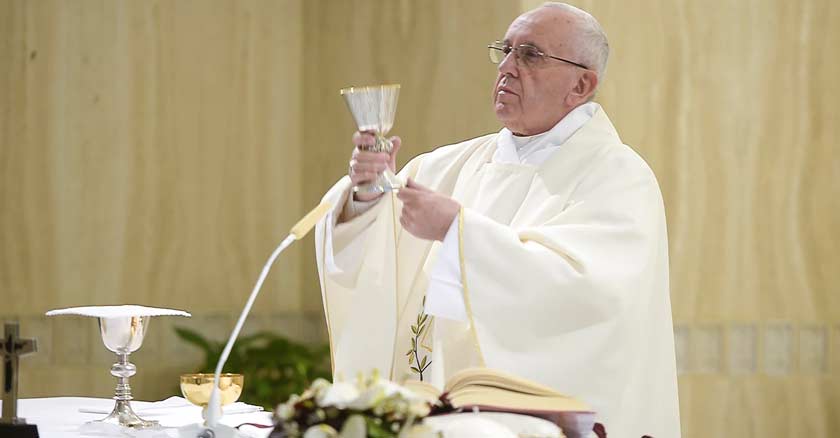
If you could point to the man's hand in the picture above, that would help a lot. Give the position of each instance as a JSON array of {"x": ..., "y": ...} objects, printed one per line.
[
  {"x": 366, "y": 166},
  {"x": 426, "y": 214}
]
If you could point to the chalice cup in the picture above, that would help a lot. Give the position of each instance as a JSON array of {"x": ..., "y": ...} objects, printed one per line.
[
  {"x": 197, "y": 387},
  {"x": 123, "y": 336},
  {"x": 373, "y": 109}
]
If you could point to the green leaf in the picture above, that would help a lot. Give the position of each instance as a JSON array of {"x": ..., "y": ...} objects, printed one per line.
[
  {"x": 410, "y": 352},
  {"x": 411, "y": 360},
  {"x": 413, "y": 344},
  {"x": 423, "y": 320},
  {"x": 416, "y": 370},
  {"x": 423, "y": 362},
  {"x": 414, "y": 329},
  {"x": 194, "y": 338}
]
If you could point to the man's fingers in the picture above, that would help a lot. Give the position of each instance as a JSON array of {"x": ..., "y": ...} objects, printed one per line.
[
  {"x": 362, "y": 178},
  {"x": 357, "y": 166},
  {"x": 396, "y": 142},
  {"x": 367, "y": 156},
  {"x": 405, "y": 222},
  {"x": 413, "y": 185},
  {"x": 363, "y": 139},
  {"x": 407, "y": 194},
  {"x": 408, "y": 212}
]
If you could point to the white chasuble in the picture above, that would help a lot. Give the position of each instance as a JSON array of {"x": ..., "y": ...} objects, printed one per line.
[{"x": 564, "y": 269}]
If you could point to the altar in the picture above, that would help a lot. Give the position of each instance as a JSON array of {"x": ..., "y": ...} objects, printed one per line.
[{"x": 70, "y": 417}]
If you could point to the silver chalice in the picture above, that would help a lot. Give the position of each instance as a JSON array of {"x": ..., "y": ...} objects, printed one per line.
[
  {"x": 123, "y": 329},
  {"x": 124, "y": 336},
  {"x": 373, "y": 109}
]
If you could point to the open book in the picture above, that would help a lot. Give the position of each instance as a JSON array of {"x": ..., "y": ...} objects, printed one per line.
[{"x": 493, "y": 390}]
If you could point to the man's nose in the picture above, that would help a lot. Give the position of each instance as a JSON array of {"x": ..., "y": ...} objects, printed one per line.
[{"x": 509, "y": 65}]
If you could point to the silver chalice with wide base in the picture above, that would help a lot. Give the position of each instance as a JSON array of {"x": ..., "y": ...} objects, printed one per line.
[
  {"x": 122, "y": 328},
  {"x": 124, "y": 336}
]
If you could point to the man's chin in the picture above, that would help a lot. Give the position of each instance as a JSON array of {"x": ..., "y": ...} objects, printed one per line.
[{"x": 503, "y": 112}]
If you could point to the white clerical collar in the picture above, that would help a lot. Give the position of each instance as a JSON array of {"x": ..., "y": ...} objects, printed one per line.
[{"x": 535, "y": 149}]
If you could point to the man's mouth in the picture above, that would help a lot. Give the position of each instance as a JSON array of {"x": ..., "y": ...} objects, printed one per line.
[{"x": 505, "y": 90}]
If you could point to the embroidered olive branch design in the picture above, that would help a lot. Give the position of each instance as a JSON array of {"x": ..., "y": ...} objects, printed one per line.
[{"x": 419, "y": 364}]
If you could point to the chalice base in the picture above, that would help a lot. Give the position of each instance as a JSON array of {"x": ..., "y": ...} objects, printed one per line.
[{"x": 124, "y": 416}]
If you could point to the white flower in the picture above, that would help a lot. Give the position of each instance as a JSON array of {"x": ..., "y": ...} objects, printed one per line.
[
  {"x": 354, "y": 427},
  {"x": 379, "y": 399},
  {"x": 320, "y": 431},
  {"x": 379, "y": 391},
  {"x": 340, "y": 395},
  {"x": 316, "y": 389},
  {"x": 285, "y": 411}
]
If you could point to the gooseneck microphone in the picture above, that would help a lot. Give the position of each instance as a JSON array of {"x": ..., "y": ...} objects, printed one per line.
[{"x": 214, "y": 410}]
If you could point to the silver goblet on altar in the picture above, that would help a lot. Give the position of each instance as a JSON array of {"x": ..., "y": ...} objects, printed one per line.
[
  {"x": 373, "y": 109},
  {"x": 124, "y": 336},
  {"x": 123, "y": 329}
]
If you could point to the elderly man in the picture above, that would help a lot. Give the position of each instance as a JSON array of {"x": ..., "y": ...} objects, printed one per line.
[{"x": 539, "y": 250}]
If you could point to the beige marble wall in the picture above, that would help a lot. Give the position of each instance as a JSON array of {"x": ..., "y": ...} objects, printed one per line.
[
  {"x": 156, "y": 151},
  {"x": 150, "y": 153}
]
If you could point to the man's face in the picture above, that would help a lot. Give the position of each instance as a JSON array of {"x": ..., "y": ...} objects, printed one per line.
[{"x": 529, "y": 101}]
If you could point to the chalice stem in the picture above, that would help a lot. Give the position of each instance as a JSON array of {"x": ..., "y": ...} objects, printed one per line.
[
  {"x": 122, "y": 413},
  {"x": 122, "y": 370}
]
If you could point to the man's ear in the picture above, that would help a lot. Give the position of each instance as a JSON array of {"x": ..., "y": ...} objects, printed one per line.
[{"x": 585, "y": 87}]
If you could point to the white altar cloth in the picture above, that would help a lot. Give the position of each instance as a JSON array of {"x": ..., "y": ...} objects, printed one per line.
[{"x": 59, "y": 417}]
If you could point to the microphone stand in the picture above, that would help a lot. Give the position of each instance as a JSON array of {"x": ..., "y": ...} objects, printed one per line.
[{"x": 213, "y": 411}]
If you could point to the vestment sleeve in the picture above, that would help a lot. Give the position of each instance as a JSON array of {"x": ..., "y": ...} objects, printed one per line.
[{"x": 582, "y": 267}]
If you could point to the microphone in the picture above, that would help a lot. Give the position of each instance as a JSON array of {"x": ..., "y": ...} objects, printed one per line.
[{"x": 214, "y": 409}]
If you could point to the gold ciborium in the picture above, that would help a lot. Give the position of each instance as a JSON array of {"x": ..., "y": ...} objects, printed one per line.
[
  {"x": 197, "y": 387},
  {"x": 373, "y": 108}
]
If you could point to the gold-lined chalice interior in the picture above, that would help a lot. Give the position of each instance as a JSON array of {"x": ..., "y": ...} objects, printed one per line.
[{"x": 196, "y": 387}]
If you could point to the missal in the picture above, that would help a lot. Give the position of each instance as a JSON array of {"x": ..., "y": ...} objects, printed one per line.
[{"x": 491, "y": 390}]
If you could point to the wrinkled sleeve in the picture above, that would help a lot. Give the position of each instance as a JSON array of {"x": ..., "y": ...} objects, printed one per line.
[
  {"x": 579, "y": 268},
  {"x": 341, "y": 235}
]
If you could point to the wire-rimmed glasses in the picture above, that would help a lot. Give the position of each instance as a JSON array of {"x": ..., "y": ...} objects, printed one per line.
[{"x": 526, "y": 55}]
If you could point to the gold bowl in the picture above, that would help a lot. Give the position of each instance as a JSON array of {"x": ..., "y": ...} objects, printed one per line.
[{"x": 196, "y": 387}]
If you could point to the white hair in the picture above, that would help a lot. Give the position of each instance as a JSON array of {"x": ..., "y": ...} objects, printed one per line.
[{"x": 591, "y": 45}]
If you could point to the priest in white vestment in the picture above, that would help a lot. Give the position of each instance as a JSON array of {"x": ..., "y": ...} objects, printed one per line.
[{"x": 540, "y": 250}]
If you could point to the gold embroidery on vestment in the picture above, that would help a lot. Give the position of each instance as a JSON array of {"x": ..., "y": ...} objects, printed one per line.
[{"x": 467, "y": 304}]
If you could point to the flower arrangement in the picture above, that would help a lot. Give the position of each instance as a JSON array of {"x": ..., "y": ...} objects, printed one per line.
[{"x": 370, "y": 407}]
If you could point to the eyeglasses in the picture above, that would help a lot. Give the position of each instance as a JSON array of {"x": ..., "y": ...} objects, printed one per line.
[{"x": 526, "y": 55}]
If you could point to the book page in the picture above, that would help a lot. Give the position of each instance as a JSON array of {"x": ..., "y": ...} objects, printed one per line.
[
  {"x": 498, "y": 379},
  {"x": 423, "y": 389}
]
